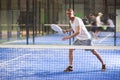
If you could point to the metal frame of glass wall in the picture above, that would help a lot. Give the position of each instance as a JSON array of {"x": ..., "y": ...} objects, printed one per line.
[{"x": 24, "y": 19}]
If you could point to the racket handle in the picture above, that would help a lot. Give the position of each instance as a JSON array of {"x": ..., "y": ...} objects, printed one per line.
[{"x": 65, "y": 31}]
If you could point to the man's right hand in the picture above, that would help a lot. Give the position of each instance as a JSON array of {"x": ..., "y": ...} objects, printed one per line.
[{"x": 64, "y": 31}]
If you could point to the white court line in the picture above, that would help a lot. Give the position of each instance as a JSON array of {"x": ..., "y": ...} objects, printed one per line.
[
  {"x": 13, "y": 41},
  {"x": 105, "y": 38},
  {"x": 5, "y": 62}
]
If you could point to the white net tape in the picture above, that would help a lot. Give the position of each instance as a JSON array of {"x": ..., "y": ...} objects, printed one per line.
[{"x": 61, "y": 47}]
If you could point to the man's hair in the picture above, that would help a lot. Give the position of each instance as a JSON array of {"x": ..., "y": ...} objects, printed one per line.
[
  {"x": 91, "y": 14},
  {"x": 69, "y": 9},
  {"x": 100, "y": 13}
]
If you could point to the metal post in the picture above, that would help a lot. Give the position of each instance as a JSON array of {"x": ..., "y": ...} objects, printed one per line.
[
  {"x": 106, "y": 7},
  {"x": 69, "y": 23},
  {"x": 73, "y": 4},
  {"x": 0, "y": 23},
  {"x": 8, "y": 21},
  {"x": 18, "y": 28},
  {"x": 115, "y": 22},
  {"x": 33, "y": 23},
  {"x": 27, "y": 21}
]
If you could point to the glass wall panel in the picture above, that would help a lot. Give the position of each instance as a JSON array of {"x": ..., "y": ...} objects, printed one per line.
[{"x": 22, "y": 19}]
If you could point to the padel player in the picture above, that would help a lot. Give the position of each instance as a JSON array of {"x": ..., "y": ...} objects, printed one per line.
[{"x": 82, "y": 38}]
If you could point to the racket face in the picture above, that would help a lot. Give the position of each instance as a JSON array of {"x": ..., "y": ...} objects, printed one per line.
[{"x": 56, "y": 28}]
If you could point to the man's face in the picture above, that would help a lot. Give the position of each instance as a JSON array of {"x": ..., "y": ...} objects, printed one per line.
[{"x": 70, "y": 13}]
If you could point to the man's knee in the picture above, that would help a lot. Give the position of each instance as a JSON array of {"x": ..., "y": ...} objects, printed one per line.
[
  {"x": 94, "y": 51},
  {"x": 71, "y": 50}
]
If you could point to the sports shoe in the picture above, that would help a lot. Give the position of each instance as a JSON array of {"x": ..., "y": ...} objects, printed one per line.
[
  {"x": 103, "y": 67},
  {"x": 68, "y": 69}
]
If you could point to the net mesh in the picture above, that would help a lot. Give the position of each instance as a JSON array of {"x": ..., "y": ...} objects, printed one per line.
[{"x": 49, "y": 61}]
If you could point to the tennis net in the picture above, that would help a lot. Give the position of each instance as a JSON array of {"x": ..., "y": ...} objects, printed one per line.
[
  {"x": 62, "y": 47},
  {"x": 49, "y": 61}
]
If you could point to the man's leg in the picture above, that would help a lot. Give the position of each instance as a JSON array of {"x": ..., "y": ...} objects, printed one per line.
[
  {"x": 70, "y": 67},
  {"x": 99, "y": 57},
  {"x": 94, "y": 35},
  {"x": 70, "y": 57}
]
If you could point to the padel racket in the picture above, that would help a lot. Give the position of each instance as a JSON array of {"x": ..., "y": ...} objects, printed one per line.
[{"x": 56, "y": 28}]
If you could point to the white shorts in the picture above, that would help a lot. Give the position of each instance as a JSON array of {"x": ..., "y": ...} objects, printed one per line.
[{"x": 87, "y": 42}]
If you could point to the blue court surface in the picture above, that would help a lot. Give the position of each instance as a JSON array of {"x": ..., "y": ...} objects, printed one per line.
[
  {"x": 106, "y": 38},
  {"x": 48, "y": 64}
]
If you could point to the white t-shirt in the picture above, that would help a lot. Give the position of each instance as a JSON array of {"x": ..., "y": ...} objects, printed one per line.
[
  {"x": 98, "y": 21},
  {"x": 84, "y": 34},
  {"x": 110, "y": 22}
]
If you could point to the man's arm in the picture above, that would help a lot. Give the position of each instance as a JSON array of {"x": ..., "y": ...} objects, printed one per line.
[
  {"x": 68, "y": 30},
  {"x": 73, "y": 35}
]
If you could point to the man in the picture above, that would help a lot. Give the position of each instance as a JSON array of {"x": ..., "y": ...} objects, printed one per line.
[
  {"x": 99, "y": 23},
  {"x": 110, "y": 23},
  {"x": 82, "y": 38},
  {"x": 93, "y": 24}
]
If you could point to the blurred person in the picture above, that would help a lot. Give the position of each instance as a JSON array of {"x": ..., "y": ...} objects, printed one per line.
[
  {"x": 110, "y": 23},
  {"x": 99, "y": 24},
  {"x": 93, "y": 24},
  {"x": 85, "y": 20}
]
